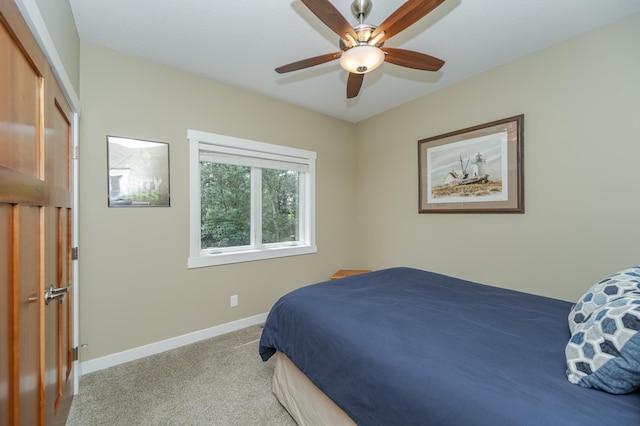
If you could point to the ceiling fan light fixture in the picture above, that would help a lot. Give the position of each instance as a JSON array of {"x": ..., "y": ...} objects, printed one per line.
[
  {"x": 362, "y": 59},
  {"x": 361, "y": 45}
]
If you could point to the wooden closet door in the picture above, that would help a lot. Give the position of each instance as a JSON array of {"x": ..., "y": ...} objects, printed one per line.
[
  {"x": 22, "y": 199},
  {"x": 35, "y": 232},
  {"x": 58, "y": 313}
]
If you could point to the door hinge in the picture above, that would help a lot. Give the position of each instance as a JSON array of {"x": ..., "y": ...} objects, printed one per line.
[
  {"x": 74, "y": 253},
  {"x": 74, "y": 155},
  {"x": 75, "y": 353}
]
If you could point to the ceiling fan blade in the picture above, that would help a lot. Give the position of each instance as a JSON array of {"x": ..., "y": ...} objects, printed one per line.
[
  {"x": 411, "y": 59},
  {"x": 309, "y": 62},
  {"x": 330, "y": 16},
  {"x": 354, "y": 82},
  {"x": 407, "y": 14}
]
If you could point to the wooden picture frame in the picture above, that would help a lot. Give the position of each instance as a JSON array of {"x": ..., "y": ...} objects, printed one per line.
[
  {"x": 138, "y": 173},
  {"x": 479, "y": 169}
]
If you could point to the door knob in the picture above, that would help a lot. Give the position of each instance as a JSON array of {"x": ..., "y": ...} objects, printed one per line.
[{"x": 55, "y": 293}]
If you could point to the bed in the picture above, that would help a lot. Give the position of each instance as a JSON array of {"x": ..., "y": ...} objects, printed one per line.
[{"x": 403, "y": 346}]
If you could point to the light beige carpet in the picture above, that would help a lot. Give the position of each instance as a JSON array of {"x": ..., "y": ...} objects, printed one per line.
[{"x": 220, "y": 381}]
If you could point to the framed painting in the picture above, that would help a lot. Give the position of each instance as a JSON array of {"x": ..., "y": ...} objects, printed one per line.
[
  {"x": 479, "y": 169},
  {"x": 138, "y": 173}
]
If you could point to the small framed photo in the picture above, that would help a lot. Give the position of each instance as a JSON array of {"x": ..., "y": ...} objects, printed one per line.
[
  {"x": 138, "y": 173},
  {"x": 479, "y": 169}
]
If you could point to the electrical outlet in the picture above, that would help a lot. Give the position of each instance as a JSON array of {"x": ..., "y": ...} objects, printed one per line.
[{"x": 234, "y": 300}]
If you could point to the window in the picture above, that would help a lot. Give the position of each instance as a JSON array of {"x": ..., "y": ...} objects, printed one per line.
[{"x": 249, "y": 200}]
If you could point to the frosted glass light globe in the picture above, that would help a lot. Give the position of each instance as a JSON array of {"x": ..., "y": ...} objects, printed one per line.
[{"x": 362, "y": 59}]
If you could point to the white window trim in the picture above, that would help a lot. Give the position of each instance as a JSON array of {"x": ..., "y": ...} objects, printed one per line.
[{"x": 199, "y": 258}]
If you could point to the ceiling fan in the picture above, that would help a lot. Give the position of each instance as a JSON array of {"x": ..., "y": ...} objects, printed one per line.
[{"x": 361, "y": 45}]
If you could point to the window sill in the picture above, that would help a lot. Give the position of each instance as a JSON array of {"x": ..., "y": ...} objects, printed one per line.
[{"x": 248, "y": 256}]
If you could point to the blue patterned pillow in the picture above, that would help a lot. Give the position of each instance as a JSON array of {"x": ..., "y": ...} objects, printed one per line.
[
  {"x": 604, "y": 350},
  {"x": 602, "y": 292}
]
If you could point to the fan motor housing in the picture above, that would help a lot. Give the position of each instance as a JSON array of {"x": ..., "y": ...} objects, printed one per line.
[
  {"x": 361, "y": 9},
  {"x": 364, "y": 32}
]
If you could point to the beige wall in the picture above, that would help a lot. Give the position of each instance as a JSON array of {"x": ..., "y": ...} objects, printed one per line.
[
  {"x": 59, "y": 20},
  {"x": 581, "y": 101},
  {"x": 581, "y": 156},
  {"x": 135, "y": 285}
]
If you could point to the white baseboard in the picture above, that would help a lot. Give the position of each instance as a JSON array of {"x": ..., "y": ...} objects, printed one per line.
[{"x": 97, "y": 364}]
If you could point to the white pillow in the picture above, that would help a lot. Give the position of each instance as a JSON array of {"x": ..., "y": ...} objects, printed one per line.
[
  {"x": 604, "y": 350},
  {"x": 610, "y": 288}
]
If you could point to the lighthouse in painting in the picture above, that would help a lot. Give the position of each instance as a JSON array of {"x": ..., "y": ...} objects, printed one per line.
[{"x": 478, "y": 165}]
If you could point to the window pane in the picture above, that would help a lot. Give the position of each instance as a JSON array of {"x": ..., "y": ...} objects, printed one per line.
[
  {"x": 254, "y": 201},
  {"x": 225, "y": 205},
  {"x": 280, "y": 212}
]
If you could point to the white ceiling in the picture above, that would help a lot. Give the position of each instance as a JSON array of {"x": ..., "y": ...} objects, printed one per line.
[{"x": 240, "y": 42}]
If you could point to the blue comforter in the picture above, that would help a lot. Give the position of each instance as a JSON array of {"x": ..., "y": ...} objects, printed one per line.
[{"x": 403, "y": 346}]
